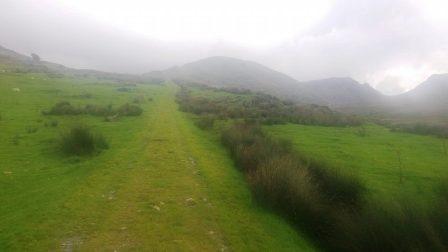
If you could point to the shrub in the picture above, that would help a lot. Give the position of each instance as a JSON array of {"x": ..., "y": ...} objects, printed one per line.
[
  {"x": 129, "y": 110},
  {"x": 31, "y": 129},
  {"x": 63, "y": 108},
  {"x": 139, "y": 99},
  {"x": 328, "y": 205},
  {"x": 98, "y": 110},
  {"x": 79, "y": 140},
  {"x": 265, "y": 108},
  {"x": 205, "y": 122},
  {"x": 52, "y": 123},
  {"x": 361, "y": 131}
]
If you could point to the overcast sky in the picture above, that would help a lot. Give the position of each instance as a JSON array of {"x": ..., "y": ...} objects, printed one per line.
[{"x": 391, "y": 44}]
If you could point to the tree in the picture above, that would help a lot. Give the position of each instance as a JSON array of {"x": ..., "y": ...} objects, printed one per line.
[{"x": 35, "y": 57}]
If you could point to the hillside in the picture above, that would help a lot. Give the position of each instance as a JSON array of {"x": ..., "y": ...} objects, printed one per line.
[
  {"x": 429, "y": 96},
  {"x": 11, "y": 61},
  {"x": 341, "y": 92},
  {"x": 225, "y": 72}
]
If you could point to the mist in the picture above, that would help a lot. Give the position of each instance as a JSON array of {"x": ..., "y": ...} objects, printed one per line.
[{"x": 392, "y": 45}]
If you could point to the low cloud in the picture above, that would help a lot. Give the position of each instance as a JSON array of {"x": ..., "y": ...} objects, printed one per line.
[
  {"x": 391, "y": 44},
  {"x": 366, "y": 40}
]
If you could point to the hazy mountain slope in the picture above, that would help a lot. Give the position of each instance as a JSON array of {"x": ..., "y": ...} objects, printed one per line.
[
  {"x": 341, "y": 92},
  {"x": 429, "y": 96},
  {"x": 4, "y": 52},
  {"x": 11, "y": 61},
  {"x": 226, "y": 72}
]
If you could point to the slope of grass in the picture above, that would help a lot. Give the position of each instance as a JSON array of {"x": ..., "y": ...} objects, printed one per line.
[
  {"x": 162, "y": 185},
  {"x": 391, "y": 164}
]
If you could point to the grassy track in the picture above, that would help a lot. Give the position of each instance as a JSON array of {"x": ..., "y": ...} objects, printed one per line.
[
  {"x": 163, "y": 185},
  {"x": 376, "y": 157}
]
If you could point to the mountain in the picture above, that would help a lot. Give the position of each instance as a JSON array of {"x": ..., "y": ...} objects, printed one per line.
[
  {"x": 226, "y": 72},
  {"x": 341, "y": 92},
  {"x": 429, "y": 96}
]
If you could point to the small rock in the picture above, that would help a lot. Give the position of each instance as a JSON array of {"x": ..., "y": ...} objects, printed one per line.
[{"x": 190, "y": 202}]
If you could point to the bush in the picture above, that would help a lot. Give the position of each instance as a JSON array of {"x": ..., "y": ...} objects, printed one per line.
[
  {"x": 264, "y": 108},
  {"x": 31, "y": 129},
  {"x": 65, "y": 108},
  {"x": 139, "y": 99},
  {"x": 129, "y": 110},
  {"x": 79, "y": 140},
  {"x": 52, "y": 123},
  {"x": 328, "y": 205},
  {"x": 205, "y": 122}
]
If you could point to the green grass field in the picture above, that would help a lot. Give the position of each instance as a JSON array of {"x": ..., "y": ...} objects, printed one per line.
[
  {"x": 375, "y": 158},
  {"x": 162, "y": 185}
]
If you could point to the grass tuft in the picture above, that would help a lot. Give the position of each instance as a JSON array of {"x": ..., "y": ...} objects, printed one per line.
[{"x": 79, "y": 140}]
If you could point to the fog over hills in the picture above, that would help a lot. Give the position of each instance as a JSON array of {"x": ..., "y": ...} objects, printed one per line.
[
  {"x": 232, "y": 73},
  {"x": 344, "y": 40},
  {"x": 227, "y": 72},
  {"x": 429, "y": 96}
]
